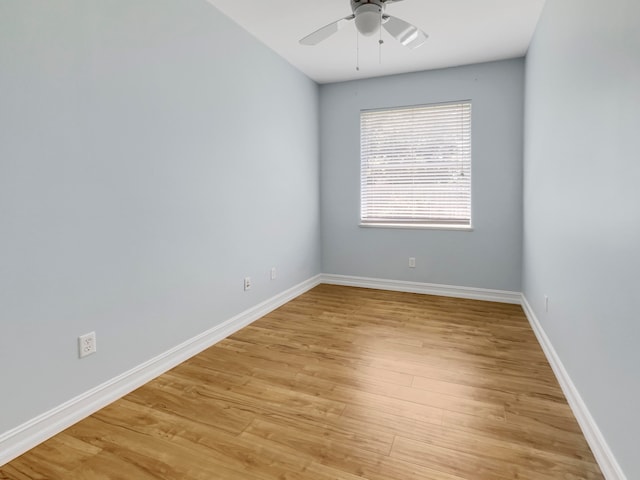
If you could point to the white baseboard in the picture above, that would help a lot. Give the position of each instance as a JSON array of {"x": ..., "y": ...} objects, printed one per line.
[
  {"x": 502, "y": 296},
  {"x": 17, "y": 441},
  {"x": 601, "y": 451}
]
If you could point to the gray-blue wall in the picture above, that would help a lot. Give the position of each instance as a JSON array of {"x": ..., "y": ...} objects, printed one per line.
[
  {"x": 487, "y": 257},
  {"x": 152, "y": 154},
  {"x": 582, "y": 205}
]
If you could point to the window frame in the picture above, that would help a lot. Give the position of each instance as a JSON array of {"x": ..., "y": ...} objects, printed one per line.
[{"x": 421, "y": 224}]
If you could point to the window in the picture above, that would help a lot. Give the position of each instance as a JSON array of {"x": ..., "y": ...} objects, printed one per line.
[{"x": 416, "y": 166}]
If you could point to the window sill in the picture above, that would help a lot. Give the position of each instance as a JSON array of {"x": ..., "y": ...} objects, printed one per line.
[{"x": 409, "y": 226}]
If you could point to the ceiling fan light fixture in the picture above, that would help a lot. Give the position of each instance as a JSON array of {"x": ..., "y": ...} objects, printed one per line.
[{"x": 368, "y": 17}]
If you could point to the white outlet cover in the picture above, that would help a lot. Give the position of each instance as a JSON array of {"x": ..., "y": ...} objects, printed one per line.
[
  {"x": 87, "y": 344},
  {"x": 546, "y": 303}
]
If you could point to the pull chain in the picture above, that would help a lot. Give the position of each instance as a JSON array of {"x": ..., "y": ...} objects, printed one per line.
[
  {"x": 357, "y": 51},
  {"x": 380, "y": 42}
]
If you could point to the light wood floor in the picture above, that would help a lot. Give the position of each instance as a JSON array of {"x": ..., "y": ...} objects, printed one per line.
[{"x": 341, "y": 383}]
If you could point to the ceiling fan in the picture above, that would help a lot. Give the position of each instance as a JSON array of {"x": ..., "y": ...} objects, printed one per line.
[{"x": 369, "y": 16}]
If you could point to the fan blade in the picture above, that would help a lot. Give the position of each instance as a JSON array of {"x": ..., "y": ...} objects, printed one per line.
[
  {"x": 407, "y": 34},
  {"x": 326, "y": 31}
]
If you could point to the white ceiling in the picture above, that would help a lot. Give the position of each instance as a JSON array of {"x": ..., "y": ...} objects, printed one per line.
[{"x": 460, "y": 32}]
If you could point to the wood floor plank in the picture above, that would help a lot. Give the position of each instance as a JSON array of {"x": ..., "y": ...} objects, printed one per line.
[
  {"x": 55, "y": 457},
  {"x": 340, "y": 384},
  {"x": 542, "y": 437},
  {"x": 350, "y": 459},
  {"x": 463, "y": 464}
]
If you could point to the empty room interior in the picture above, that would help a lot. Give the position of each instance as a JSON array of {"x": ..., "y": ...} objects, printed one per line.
[{"x": 366, "y": 239}]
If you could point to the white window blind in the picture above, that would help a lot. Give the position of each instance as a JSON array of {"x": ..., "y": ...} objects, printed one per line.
[{"x": 416, "y": 165}]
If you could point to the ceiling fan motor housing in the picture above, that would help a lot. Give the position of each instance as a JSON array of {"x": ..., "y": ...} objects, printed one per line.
[{"x": 368, "y": 15}]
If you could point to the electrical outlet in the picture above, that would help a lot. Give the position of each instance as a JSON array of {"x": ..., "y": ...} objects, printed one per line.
[
  {"x": 546, "y": 303},
  {"x": 247, "y": 283},
  {"x": 412, "y": 262},
  {"x": 87, "y": 344},
  {"x": 274, "y": 273}
]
